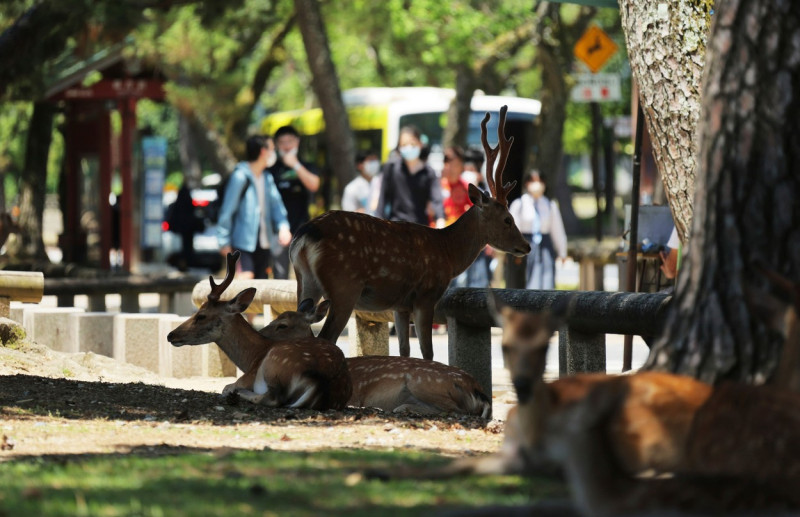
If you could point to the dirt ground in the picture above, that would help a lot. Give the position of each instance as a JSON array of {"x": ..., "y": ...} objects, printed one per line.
[{"x": 53, "y": 403}]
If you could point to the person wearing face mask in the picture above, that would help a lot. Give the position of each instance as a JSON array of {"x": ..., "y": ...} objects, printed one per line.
[
  {"x": 296, "y": 181},
  {"x": 409, "y": 184},
  {"x": 539, "y": 220},
  {"x": 357, "y": 193},
  {"x": 252, "y": 210}
]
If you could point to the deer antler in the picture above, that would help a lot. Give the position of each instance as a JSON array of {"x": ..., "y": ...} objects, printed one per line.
[
  {"x": 496, "y": 187},
  {"x": 217, "y": 290}
]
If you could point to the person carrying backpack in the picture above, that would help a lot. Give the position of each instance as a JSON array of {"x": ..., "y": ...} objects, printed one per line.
[{"x": 252, "y": 217}]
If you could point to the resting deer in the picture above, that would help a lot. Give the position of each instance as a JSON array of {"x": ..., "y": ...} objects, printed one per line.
[
  {"x": 666, "y": 422},
  {"x": 362, "y": 262},
  {"x": 577, "y": 438},
  {"x": 301, "y": 373},
  {"x": 393, "y": 384}
]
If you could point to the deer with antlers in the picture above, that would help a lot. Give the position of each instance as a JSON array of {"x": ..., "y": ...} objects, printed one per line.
[
  {"x": 393, "y": 384},
  {"x": 362, "y": 262},
  {"x": 301, "y": 373}
]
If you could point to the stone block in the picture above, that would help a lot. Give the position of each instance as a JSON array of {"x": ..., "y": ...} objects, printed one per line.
[
  {"x": 17, "y": 309},
  {"x": 49, "y": 326},
  {"x": 136, "y": 341},
  {"x": 92, "y": 332}
]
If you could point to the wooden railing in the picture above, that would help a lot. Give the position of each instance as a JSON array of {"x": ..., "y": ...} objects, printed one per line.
[{"x": 128, "y": 287}]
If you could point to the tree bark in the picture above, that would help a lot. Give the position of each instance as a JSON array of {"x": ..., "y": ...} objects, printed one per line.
[
  {"x": 187, "y": 148},
  {"x": 666, "y": 48},
  {"x": 29, "y": 244},
  {"x": 746, "y": 196},
  {"x": 325, "y": 82},
  {"x": 460, "y": 107}
]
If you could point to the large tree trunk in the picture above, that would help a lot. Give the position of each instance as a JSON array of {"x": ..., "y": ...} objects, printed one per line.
[
  {"x": 460, "y": 107},
  {"x": 666, "y": 47},
  {"x": 748, "y": 184},
  {"x": 341, "y": 144},
  {"x": 29, "y": 244},
  {"x": 187, "y": 148}
]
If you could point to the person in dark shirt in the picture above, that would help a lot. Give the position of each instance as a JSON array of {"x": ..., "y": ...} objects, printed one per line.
[
  {"x": 296, "y": 182},
  {"x": 409, "y": 184}
]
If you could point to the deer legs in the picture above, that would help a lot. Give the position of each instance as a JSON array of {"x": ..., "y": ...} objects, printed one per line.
[
  {"x": 423, "y": 324},
  {"x": 402, "y": 319}
]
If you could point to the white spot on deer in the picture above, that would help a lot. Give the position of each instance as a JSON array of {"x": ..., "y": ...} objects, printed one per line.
[
  {"x": 357, "y": 225},
  {"x": 340, "y": 236},
  {"x": 383, "y": 272},
  {"x": 352, "y": 239},
  {"x": 347, "y": 220}
]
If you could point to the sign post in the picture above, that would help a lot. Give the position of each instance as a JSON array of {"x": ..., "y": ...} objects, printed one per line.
[{"x": 594, "y": 49}]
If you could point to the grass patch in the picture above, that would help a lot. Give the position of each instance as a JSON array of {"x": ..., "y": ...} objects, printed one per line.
[{"x": 248, "y": 483}]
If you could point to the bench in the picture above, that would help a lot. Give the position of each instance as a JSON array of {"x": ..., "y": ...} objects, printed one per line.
[
  {"x": 464, "y": 310},
  {"x": 128, "y": 287}
]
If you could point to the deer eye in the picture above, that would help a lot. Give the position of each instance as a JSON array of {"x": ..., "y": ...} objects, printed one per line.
[
  {"x": 199, "y": 317},
  {"x": 282, "y": 326},
  {"x": 508, "y": 221}
]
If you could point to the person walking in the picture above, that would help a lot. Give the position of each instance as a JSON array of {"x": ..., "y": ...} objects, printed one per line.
[
  {"x": 297, "y": 182},
  {"x": 356, "y": 196},
  {"x": 539, "y": 220},
  {"x": 409, "y": 185},
  {"x": 252, "y": 211}
]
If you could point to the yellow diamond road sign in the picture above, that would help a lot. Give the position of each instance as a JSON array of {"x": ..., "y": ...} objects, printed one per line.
[{"x": 594, "y": 48}]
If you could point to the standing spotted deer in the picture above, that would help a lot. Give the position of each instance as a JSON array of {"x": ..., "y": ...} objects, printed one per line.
[
  {"x": 393, "y": 384},
  {"x": 370, "y": 264},
  {"x": 302, "y": 373}
]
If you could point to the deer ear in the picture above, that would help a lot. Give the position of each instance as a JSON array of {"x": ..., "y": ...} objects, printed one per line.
[
  {"x": 242, "y": 301},
  {"x": 322, "y": 310},
  {"x": 495, "y": 306},
  {"x": 306, "y": 306},
  {"x": 477, "y": 196}
]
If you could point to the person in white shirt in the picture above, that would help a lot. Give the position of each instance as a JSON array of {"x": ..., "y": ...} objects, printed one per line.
[
  {"x": 539, "y": 220},
  {"x": 356, "y": 196}
]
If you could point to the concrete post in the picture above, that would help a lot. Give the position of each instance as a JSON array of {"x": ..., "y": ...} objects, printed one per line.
[
  {"x": 92, "y": 332},
  {"x": 470, "y": 348},
  {"x": 584, "y": 353},
  {"x": 368, "y": 337}
]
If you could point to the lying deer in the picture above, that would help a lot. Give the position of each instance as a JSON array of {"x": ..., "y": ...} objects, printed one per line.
[
  {"x": 363, "y": 262},
  {"x": 577, "y": 438},
  {"x": 300, "y": 373},
  {"x": 393, "y": 384},
  {"x": 666, "y": 422}
]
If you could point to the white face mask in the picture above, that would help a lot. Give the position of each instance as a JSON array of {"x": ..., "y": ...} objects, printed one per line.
[
  {"x": 271, "y": 159},
  {"x": 410, "y": 152},
  {"x": 290, "y": 152},
  {"x": 470, "y": 177},
  {"x": 371, "y": 167},
  {"x": 536, "y": 189}
]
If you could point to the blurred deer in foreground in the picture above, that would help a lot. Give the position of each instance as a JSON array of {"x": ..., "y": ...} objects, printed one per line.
[
  {"x": 578, "y": 438},
  {"x": 362, "y": 262},
  {"x": 301, "y": 373},
  {"x": 393, "y": 384},
  {"x": 664, "y": 423}
]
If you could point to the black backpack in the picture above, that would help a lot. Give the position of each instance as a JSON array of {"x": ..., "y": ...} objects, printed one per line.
[{"x": 215, "y": 206}]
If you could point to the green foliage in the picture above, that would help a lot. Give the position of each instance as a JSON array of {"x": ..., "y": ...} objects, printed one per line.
[{"x": 249, "y": 483}]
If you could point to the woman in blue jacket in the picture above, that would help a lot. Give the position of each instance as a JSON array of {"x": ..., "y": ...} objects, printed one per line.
[{"x": 252, "y": 211}]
